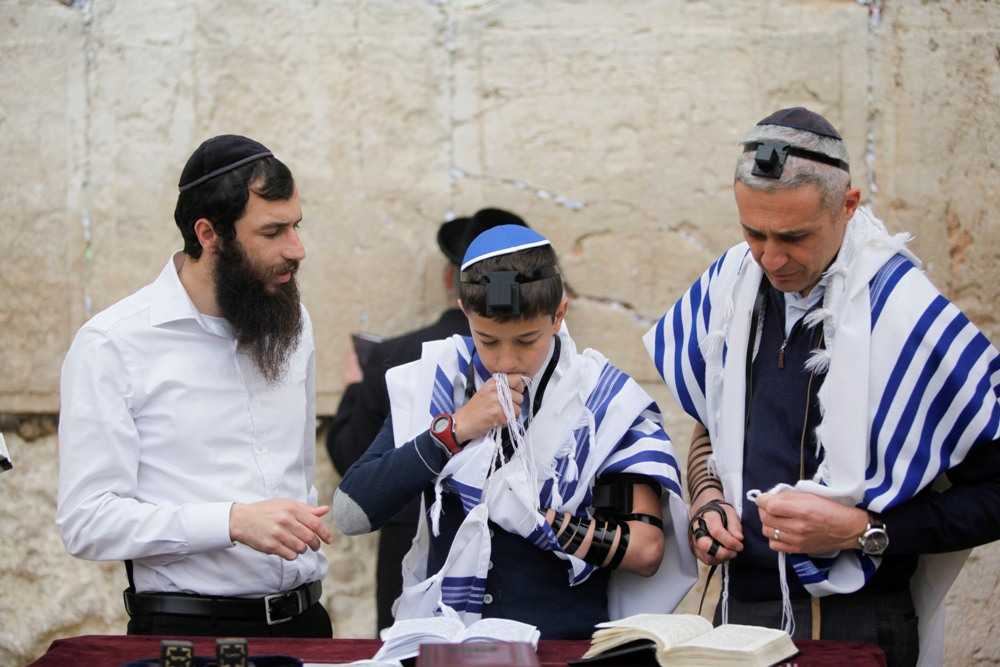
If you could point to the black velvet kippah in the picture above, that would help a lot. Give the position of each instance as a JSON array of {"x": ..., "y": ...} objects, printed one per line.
[
  {"x": 218, "y": 155},
  {"x": 800, "y": 118}
]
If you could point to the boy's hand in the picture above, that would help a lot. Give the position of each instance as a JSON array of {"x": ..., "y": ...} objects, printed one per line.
[{"x": 482, "y": 412}]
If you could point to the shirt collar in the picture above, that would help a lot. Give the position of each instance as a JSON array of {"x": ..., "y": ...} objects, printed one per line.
[
  {"x": 794, "y": 300},
  {"x": 172, "y": 303}
]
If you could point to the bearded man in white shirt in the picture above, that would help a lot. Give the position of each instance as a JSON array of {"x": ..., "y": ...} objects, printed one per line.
[{"x": 187, "y": 419}]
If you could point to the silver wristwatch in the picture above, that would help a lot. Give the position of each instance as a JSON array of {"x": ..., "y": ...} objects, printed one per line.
[{"x": 875, "y": 540}]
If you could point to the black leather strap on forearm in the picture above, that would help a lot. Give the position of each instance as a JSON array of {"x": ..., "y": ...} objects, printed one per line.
[
  {"x": 600, "y": 544},
  {"x": 601, "y": 541},
  {"x": 622, "y": 547},
  {"x": 650, "y": 519},
  {"x": 574, "y": 534}
]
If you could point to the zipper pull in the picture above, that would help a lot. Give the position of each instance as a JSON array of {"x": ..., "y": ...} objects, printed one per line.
[{"x": 781, "y": 354}]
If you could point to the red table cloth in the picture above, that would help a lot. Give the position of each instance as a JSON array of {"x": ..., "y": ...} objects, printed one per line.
[{"x": 116, "y": 650}]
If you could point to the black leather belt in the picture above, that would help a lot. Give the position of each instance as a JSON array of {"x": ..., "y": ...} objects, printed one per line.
[{"x": 271, "y": 609}]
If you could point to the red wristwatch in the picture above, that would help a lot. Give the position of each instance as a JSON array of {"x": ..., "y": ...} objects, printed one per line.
[{"x": 443, "y": 430}]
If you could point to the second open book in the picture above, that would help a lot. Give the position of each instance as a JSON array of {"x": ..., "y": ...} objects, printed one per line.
[{"x": 685, "y": 639}]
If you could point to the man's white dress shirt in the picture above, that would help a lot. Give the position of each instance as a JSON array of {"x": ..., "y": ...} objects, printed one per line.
[{"x": 163, "y": 425}]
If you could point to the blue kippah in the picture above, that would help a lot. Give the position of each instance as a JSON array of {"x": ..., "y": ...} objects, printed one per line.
[{"x": 502, "y": 240}]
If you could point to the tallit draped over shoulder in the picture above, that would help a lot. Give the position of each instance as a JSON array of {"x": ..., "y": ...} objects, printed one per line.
[
  {"x": 911, "y": 388},
  {"x": 594, "y": 420}
]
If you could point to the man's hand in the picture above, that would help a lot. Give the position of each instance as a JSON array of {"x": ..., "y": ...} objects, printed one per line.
[
  {"x": 482, "y": 412},
  {"x": 809, "y": 524},
  {"x": 730, "y": 538},
  {"x": 282, "y": 527}
]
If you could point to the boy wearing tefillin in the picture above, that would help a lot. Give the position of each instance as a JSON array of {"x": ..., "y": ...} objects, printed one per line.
[{"x": 551, "y": 494}]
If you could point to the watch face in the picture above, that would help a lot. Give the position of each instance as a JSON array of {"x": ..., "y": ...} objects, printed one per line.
[
  {"x": 440, "y": 425},
  {"x": 875, "y": 542}
]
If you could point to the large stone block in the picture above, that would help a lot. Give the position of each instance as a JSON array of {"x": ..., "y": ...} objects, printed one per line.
[
  {"x": 41, "y": 100},
  {"x": 938, "y": 143}
]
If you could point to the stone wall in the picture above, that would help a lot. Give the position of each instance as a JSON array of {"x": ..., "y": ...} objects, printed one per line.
[{"x": 610, "y": 126}]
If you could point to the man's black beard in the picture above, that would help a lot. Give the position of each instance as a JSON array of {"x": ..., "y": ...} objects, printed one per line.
[{"x": 267, "y": 324}]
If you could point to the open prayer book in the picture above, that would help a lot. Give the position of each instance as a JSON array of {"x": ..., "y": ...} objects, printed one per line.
[
  {"x": 684, "y": 639},
  {"x": 404, "y": 638}
]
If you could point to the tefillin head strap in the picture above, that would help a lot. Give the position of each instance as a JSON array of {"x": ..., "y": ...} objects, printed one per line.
[
  {"x": 769, "y": 157},
  {"x": 503, "y": 288}
]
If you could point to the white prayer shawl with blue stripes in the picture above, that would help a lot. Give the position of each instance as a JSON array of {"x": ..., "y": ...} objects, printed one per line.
[
  {"x": 911, "y": 387},
  {"x": 594, "y": 420}
]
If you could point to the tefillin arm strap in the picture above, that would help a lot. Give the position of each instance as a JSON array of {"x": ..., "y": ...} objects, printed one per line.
[
  {"x": 769, "y": 157},
  {"x": 503, "y": 288}
]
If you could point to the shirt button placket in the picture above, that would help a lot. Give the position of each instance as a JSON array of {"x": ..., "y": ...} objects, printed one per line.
[{"x": 260, "y": 453}]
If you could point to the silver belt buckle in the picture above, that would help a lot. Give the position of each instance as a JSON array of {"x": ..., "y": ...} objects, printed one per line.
[{"x": 299, "y": 598}]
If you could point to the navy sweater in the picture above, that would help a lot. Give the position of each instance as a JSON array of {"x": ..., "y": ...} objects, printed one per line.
[{"x": 966, "y": 515}]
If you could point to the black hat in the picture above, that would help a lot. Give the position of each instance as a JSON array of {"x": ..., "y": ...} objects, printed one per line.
[
  {"x": 455, "y": 235},
  {"x": 219, "y": 155},
  {"x": 800, "y": 118}
]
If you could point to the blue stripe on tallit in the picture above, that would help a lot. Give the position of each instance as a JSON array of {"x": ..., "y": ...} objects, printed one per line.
[
  {"x": 633, "y": 435},
  {"x": 443, "y": 395},
  {"x": 910, "y": 411},
  {"x": 884, "y": 282},
  {"x": 811, "y": 570},
  {"x": 666, "y": 482},
  {"x": 481, "y": 371},
  {"x": 463, "y": 593},
  {"x": 470, "y": 350},
  {"x": 469, "y": 495},
  {"x": 583, "y": 574},
  {"x": 659, "y": 348},
  {"x": 683, "y": 396},
  {"x": 695, "y": 358},
  {"x": 994, "y": 367},
  {"x": 612, "y": 382},
  {"x": 992, "y": 430},
  {"x": 868, "y": 566},
  {"x": 600, "y": 389},
  {"x": 544, "y": 538},
  {"x": 713, "y": 268},
  {"x": 935, "y": 413},
  {"x": 648, "y": 456},
  {"x": 462, "y": 582},
  {"x": 545, "y": 495},
  {"x": 706, "y": 310},
  {"x": 909, "y": 349},
  {"x": 971, "y": 409}
]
